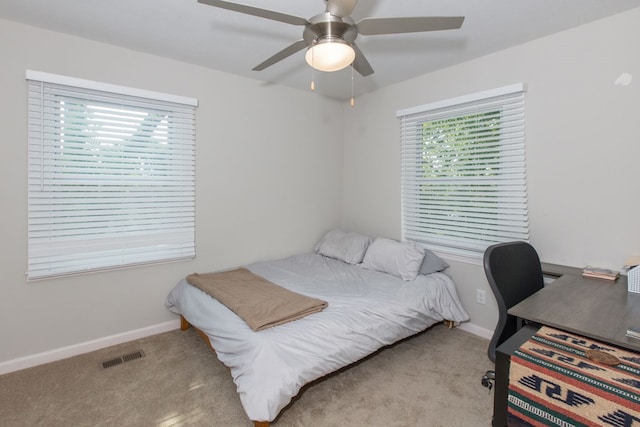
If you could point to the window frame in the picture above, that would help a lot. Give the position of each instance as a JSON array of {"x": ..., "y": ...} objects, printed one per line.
[
  {"x": 415, "y": 225},
  {"x": 108, "y": 166}
]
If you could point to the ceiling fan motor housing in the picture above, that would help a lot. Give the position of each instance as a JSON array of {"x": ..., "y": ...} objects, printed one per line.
[{"x": 327, "y": 26}]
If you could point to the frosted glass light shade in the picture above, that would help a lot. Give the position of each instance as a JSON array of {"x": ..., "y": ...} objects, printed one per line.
[{"x": 330, "y": 55}]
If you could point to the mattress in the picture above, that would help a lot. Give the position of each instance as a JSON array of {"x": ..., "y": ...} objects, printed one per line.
[{"x": 366, "y": 311}]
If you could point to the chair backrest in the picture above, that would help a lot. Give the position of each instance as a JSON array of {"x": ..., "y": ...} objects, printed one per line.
[{"x": 514, "y": 273}]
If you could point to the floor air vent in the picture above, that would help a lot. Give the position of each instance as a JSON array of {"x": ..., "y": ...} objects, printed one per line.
[{"x": 122, "y": 359}]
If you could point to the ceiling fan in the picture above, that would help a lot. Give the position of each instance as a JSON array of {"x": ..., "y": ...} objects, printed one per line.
[{"x": 329, "y": 37}]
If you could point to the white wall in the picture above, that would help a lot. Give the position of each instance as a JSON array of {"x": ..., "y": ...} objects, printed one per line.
[
  {"x": 583, "y": 147},
  {"x": 269, "y": 177}
]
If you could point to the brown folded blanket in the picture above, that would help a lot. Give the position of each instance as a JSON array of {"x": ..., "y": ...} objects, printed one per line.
[{"x": 257, "y": 301}]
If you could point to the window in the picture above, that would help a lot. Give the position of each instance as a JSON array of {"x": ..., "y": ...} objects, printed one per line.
[
  {"x": 463, "y": 172},
  {"x": 111, "y": 176}
]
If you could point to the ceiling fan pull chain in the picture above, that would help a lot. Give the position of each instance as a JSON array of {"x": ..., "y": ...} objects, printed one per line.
[
  {"x": 352, "y": 102},
  {"x": 313, "y": 85}
]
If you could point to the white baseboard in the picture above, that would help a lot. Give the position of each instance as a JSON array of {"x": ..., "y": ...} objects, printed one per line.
[
  {"x": 476, "y": 330},
  {"x": 85, "y": 347},
  {"x": 74, "y": 350}
]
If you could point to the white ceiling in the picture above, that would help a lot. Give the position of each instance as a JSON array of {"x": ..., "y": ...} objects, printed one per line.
[{"x": 235, "y": 43}]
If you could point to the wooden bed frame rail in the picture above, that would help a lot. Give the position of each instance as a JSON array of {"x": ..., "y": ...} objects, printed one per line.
[{"x": 184, "y": 325}]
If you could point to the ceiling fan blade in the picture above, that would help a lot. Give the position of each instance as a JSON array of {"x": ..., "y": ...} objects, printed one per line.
[
  {"x": 262, "y": 13},
  {"x": 374, "y": 26},
  {"x": 284, "y": 53},
  {"x": 360, "y": 63},
  {"x": 341, "y": 8}
]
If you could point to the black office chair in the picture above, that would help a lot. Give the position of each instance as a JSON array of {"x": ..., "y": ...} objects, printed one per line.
[{"x": 514, "y": 273}]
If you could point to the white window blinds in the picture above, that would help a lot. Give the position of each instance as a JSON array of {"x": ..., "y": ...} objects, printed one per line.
[
  {"x": 463, "y": 172},
  {"x": 111, "y": 176}
]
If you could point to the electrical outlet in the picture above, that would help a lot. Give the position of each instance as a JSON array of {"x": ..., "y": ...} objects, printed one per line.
[{"x": 481, "y": 296}]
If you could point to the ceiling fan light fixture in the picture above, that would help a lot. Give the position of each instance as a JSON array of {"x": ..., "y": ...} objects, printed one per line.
[{"x": 330, "y": 54}]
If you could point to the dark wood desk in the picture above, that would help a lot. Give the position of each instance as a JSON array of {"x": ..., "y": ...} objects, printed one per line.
[{"x": 593, "y": 308}]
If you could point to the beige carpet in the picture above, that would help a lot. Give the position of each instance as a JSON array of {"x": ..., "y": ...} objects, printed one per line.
[{"x": 432, "y": 379}]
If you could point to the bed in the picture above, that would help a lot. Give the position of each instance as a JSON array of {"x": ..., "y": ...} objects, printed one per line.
[{"x": 367, "y": 308}]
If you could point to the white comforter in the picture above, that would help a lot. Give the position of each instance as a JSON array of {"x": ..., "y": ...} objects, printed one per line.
[{"x": 367, "y": 310}]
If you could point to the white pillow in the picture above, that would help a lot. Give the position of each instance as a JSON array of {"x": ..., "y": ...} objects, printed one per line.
[
  {"x": 401, "y": 259},
  {"x": 346, "y": 246}
]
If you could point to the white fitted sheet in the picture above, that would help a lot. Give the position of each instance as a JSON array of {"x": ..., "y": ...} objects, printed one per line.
[{"x": 367, "y": 310}]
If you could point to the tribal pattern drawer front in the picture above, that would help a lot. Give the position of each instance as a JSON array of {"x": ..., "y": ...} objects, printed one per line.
[{"x": 552, "y": 382}]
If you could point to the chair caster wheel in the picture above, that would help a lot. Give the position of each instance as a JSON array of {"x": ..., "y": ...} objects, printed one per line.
[{"x": 488, "y": 379}]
